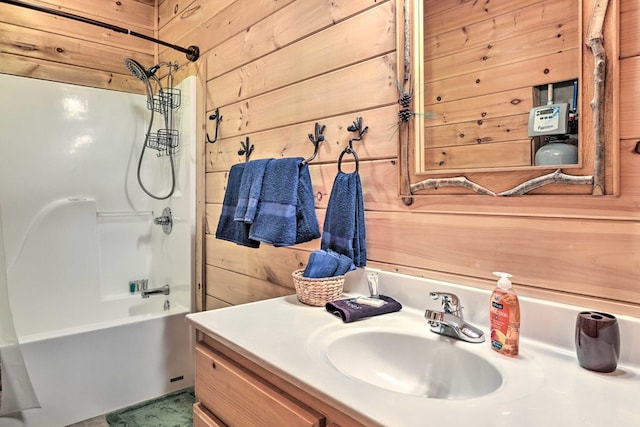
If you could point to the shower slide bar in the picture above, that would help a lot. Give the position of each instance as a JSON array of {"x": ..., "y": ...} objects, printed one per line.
[{"x": 192, "y": 52}]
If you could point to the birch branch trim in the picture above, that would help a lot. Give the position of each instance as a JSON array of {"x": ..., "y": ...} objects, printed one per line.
[
  {"x": 458, "y": 181},
  {"x": 595, "y": 42},
  {"x": 556, "y": 177}
]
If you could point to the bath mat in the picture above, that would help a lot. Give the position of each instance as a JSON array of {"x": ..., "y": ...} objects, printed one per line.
[{"x": 173, "y": 410}]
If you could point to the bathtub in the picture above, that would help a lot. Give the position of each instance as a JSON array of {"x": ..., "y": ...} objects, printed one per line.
[
  {"x": 77, "y": 230},
  {"x": 89, "y": 345},
  {"x": 83, "y": 372}
]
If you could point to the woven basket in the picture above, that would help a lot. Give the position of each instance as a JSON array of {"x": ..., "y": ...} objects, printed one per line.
[{"x": 317, "y": 292}]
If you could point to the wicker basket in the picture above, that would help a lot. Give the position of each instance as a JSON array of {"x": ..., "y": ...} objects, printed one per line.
[{"x": 317, "y": 292}]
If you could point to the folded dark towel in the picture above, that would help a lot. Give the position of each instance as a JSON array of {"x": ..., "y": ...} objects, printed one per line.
[
  {"x": 228, "y": 229},
  {"x": 284, "y": 216},
  {"x": 350, "y": 311},
  {"x": 344, "y": 227},
  {"x": 250, "y": 189}
]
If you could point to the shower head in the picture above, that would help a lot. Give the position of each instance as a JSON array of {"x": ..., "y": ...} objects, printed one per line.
[{"x": 138, "y": 71}]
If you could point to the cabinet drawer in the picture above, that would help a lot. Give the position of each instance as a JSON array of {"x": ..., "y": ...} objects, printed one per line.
[
  {"x": 239, "y": 398},
  {"x": 204, "y": 418}
]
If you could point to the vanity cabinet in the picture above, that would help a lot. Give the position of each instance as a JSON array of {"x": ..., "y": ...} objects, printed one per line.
[{"x": 231, "y": 390}]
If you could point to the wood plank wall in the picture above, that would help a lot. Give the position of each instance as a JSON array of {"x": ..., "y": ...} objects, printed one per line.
[
  {"x": 274, "y": 68},
  {"x": 44, "y": 46}
]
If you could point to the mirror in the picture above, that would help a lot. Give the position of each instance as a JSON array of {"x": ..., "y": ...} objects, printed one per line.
[{"x": 496, "y": 97}]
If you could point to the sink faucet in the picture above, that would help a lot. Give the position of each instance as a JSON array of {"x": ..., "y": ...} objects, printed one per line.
[{"x": 450, "y": 321}]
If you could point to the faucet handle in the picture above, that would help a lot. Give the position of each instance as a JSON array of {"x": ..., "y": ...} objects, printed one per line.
[{"x": 450, "y": 302}]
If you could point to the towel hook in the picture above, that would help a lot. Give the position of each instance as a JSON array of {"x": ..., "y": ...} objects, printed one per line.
[
  {"x": 218, "y": 118},
  {"x": 246, "y": 150},
  {"x": 316, "y": 140},
  {"x": 355, "y": 127}
]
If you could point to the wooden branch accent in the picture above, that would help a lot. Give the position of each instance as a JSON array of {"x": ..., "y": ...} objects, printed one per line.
[
  {"x": 557, "y": 177},
  {"x": 458, "y": 181},
  {"x": 595, "y": 42}
]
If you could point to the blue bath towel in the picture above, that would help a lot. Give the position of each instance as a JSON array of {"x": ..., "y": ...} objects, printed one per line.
[
  {"x": 307, "y": 227},
  {"x": 278, "y": 213},
  {"x": 228, "y": 229},
  {"x": 344, "y": 228},
  {"x": 250, "y": 189}
]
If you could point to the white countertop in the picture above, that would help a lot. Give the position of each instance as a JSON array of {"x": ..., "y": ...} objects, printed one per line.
[{"x": 543, "y": 386}]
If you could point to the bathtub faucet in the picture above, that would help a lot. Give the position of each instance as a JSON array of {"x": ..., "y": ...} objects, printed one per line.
[{"x": 163, "y": 290}]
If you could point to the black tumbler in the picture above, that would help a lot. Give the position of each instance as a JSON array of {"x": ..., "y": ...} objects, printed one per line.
[{"x": 597, "y": 341}]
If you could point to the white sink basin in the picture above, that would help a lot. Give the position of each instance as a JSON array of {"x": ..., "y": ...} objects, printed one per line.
[{"x": 413, "y": 365}]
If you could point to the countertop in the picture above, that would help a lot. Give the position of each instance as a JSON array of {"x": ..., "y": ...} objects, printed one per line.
[{"x": 543, "y": 386}]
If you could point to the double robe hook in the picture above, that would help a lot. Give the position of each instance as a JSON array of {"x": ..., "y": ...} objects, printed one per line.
[
  {"x": 316, "y": 140},
  {"x": 246, "y": 150},
  {"x": 218, "y": 118},
  {"x": 355, "y": 127}
]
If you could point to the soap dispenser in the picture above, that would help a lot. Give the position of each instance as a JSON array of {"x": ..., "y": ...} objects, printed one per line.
[{"x": 504, "y": 315}]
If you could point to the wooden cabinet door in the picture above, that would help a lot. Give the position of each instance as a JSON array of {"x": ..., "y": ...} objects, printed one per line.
[{"x": 239, "y": 398}]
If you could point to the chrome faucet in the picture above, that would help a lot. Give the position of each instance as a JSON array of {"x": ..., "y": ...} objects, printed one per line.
[
  {"x": 450, "y": 321},
  {"x": 163, "y": 290},
  {"x": 165, "y": 220}
]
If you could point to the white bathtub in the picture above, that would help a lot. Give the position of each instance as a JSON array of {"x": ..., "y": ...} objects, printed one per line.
[
  {"x": 90, "y": 346},
  {"x": 77, "y": 230},
  {"x": 82, "y": 372}
]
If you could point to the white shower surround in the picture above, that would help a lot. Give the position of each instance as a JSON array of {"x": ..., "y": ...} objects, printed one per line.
[{"x": 77, "y": 229}]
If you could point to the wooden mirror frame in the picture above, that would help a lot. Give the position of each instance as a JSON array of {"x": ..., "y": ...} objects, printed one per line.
[{"x": 598, "y": 121}]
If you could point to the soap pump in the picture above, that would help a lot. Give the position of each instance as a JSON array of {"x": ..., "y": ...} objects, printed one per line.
[{"x": 504, "y": 315}]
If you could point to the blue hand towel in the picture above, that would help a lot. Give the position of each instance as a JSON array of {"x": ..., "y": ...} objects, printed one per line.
[
  {"x": 250, "y": 189},
  {"x": 228, "y": 229},
  {"x": 307, "y": 221},
  {"x": 275, "y": 220},
  {"x": 360, "y": 251},
  {"x": 344, "y": 227},
  {"x": 345, "y": 264},
  {"x": 321, "y": 264}
]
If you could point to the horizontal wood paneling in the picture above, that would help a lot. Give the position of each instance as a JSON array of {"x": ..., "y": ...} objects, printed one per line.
[
  {"x": 334, "y": 93},
  {"x": 592, "y": 257},
  {"x": 276, "y": 31},
  {"x": 556, "y": 67},
  {"x": 629, "y": 97},
  {"x": 39, "y": 45},
  {"x": 319, "y": 54},
  {"x": 630, "y": 22},
  {"x": 500, "y": 154},
  {"x": 50, "y": 47},
  {"x": 498, "y": 27},
  {"x": 552, "y": 244},
  {"x": 62, "y": 26}
]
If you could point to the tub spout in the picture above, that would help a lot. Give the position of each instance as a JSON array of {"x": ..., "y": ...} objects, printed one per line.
[{"x": 163, "y": 290}]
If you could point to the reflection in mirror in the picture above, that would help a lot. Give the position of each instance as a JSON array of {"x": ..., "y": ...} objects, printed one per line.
[
  {"x": 486, "y": 72},
  {"x": 497, "y": 88}
]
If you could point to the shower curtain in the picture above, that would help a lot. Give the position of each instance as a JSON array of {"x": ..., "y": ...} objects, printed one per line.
[{"x": 16, "y": 391}]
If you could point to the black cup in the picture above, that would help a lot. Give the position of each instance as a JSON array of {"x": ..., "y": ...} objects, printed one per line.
[{"x": 597, "y": 341}]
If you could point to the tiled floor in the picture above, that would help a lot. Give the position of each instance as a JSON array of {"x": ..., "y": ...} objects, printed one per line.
[{"x": 100, "y": 421}]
